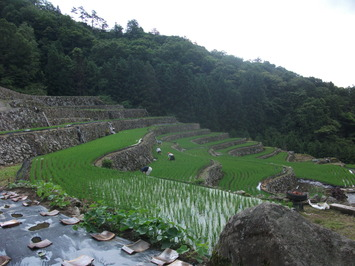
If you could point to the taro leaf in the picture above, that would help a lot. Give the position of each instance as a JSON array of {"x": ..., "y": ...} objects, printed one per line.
[
  {"x": 172, "y": 232},
  {"x": 165, "y": 244},
  {"x": 183, "y": 249},
  {"x": 142, "y": 230}
]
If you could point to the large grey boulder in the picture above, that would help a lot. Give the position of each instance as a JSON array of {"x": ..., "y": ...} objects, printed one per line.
[{"x": 270, "y": 234}]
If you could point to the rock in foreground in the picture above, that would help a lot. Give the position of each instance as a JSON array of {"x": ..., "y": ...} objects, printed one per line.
[{"x": 270, "y": 234}]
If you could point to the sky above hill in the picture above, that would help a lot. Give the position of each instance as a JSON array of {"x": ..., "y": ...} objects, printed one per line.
[{"x": 309, "y": 37}]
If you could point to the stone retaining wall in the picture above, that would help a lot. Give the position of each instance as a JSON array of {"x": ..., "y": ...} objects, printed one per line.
[
  {"x": 103, "y": 107},
  {"x": 291, "y": 156},
  {"x": 21, "y": 118},
  {"x": 177, "y": 127},
  {"x": 186, "y": 134},
  {"x": 135, "y": 157},
  {"x": 16, "y": 99},
  {"x": 228, "y": 144},
  {"x": 247, "y": 150},
  {"x": 212, "y": 174},
  {"x": 21, "y": 111},
  {"x": 69, "y": 120},
  {"x": 275, "y": 152},
  {"x": 7, "y": 94},
  {"x": 280, "y": 183},
  {"x": 211, "y": 138},
  {"x": 16, "y": 147},
  {"x": 57, "y": 113}
]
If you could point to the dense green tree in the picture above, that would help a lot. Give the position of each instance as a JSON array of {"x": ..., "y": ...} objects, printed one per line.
[
  {"x": 19, "y": 58},
  {"x": 59, "y": 79},
  {"x": 133, "y": 29}
]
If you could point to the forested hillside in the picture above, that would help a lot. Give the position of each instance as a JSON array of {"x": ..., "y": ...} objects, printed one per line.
[{"x": 45, "y": 52}]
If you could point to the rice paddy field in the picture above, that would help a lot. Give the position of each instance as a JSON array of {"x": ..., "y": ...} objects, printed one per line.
[{"x": 171, "y": 190}]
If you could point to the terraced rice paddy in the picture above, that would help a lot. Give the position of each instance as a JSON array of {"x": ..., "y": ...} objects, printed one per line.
[
  {"x": 171, "y": 191},
  {"x": 205, "y": 211}
]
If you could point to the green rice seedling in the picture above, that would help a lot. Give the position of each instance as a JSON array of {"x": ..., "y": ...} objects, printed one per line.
[
  {"x": 204, "y": 211},
  {"x": 246, "y": 144},
  {"x": 209, "y": 144},
  {"x": 326, "y": 173},
  {"x": 267, "y": 150},
  {"x": 168, "y": 192},
  {"x": 188, "y": 143},
  {"x": 181, "y": 132}
]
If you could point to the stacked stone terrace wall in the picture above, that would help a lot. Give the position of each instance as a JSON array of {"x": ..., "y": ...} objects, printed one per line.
[
  {"x": 56, "y": 114},
  {"x": 211, "y": 138},
  {"x": 280, "y": 183},
  {"x": 7, "y": 94},
  {"x": 16, "y": 99},
  {"x": 104, "y": 107},
  {"x": 212, "y": 174},
  {"x": 26, "y": 111},
  {"x": 165, "y": 129},
  {"x": 228, "y": 144},
  {"x": 275, "y": 152},
  {"x": 16, "y": 147},
  {"x": 186, "y": 134},
  {"x": 135, "y": 157},
  {"x": 21, "y": 118},
  {"x": 247, "y": 150}
]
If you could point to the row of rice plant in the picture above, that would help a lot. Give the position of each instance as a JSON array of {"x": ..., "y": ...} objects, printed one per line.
[
  {"x": 75, "y": 164},
  {"x": 188, "y": 144},
  {"x": 246, "y": 144},
  {"x": 325, "y": 173},
  {"x": 187, "y": 131},
  {"x": 209, "y": 144},
  {"x": 245, "y": 173},
  {"x": 240, "y": 173},
  {"x": 204, "y": 211},
  {"x": 185, "y": 167}
]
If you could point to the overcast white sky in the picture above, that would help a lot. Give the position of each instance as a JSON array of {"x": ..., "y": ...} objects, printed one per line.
[{"x": 309, "y": 37}]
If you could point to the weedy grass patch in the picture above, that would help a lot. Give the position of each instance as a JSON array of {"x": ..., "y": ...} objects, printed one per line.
[{"x": 8, "y": 174}]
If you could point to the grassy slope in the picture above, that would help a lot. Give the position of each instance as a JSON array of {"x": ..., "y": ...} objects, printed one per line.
[{"x": 8, "y": 174}]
